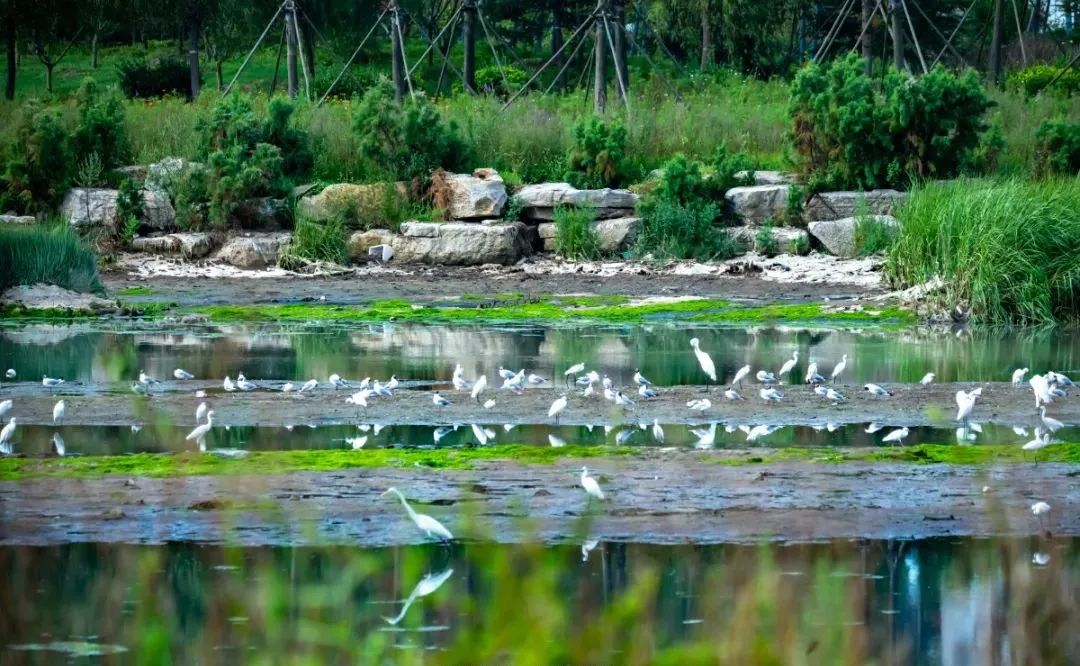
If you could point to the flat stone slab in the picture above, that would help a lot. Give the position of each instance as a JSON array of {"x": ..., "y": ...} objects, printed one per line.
[
  {"x": 51, "y": 297},
  {"x": 460, "y": 243},
  {"x": 838, "y": 236},
  {"x": 475, "y": 196},
  {"x": 754, "y": 204},
  {"x": 17, "y": 219},
  {"x": 255, "y": 250},
  {"x": 539, "y": 201},
  {"x": 188, "y": 245},
  {"x": 825, "y": 206}
]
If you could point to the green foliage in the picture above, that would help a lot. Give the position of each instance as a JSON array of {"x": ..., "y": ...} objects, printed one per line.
[
  {"x": 674, "y": 230},
  {"x": 319, "y": 241},
  {"x": 729, "y": 170},
  {"x": 764, "y": 242},
  {"x": 856, "y": 132},
  {"x": 354, "y": 81},
  {"x": 38, "y": 161},
  {"x": 89, "y": 172},
  {"x": 280, "y": 131},
  {"x": 1035, "y": 78},
  {"x": 101, "y": 128},
  {"x": 574, "y": 236},
  {"x": 1010, "y": 249},
  {"x": 1058, "y": 148},
  {"x": 191, "y": 192},
  {"x": 490, "y": 80},
  {"x": 795, "y": 211},
  {"x": 155, "y": 76},
  {"x": 238, "y": 173},
  {"x": 129, "y": 209},
  {"x": 407, "y": 141},
  {"x": 799, "y": 245},
  {"x": 597, "y": 156},
  {"x": 52, "y": 256},
  {"x": 871, "y": 237}
]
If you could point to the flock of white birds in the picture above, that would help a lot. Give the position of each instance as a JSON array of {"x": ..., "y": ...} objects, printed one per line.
[{"x": 1047, "y": 388}]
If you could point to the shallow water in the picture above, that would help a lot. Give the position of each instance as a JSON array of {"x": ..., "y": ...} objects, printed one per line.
[
  {"x": 37, "y": 440},
  {"x": 113, "y": 353},
  {"x": 958, "y": 601}
]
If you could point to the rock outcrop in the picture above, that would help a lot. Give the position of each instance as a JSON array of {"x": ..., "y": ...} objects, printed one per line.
[
  {"x": 190, "y": 246},
  {"x": 253, "y": 250},
  {"x": 838, "y": 236},
  {"x": 362, "y": 205},
  {"x": 755, "y": 204},
  {"x": 11, "y": 218},
  {"x": 476, "y": 196},
  {"x": 786, "y": 239},
  {"x": 616, "y": 236},
  {"x": 51, "y": 297},
  {"x": 460, "y": 243},
  {"x": 838, "y": 205},
  {"x": 539, "y": 201},
  {"x": 86, "y": 207}
]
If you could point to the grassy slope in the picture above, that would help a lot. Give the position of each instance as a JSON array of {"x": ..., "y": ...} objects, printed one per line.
[{"x": 283, "y": 462}]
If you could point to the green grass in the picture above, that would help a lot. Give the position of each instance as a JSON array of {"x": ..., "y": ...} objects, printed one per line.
[
  {"x": 135, "y": 291},
  {"x": 284, "y": 462},
  {"x": 559, "y": 309},
  {"x": 1009, "y": 249},
  {"x": 47, "y": 255},
  {"x": 318, "y": 241},
  {"x": 574, "y": 236}
]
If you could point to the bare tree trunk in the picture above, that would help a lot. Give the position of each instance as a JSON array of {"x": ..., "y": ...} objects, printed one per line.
[
  {"x": 996, "y": 42},
  {"x": 867, "y": 54},
  {"x": 898, "y": 34},
  {"x": 600, "y": 70},
  {"x": 218, "y": 78},
  {"x": 468, "y": 34},
  {"x": 193, "y": 56},
  {"x": 397, "y": 64},
  {"x": 9, "y": 39},
  {"x": 94, "y": 51},
  {"x": 707, "y": 54},
  {"x": 48, "y": 76},
  {"x": 290, "y": 51},
  {"x": 556, "y": 44}
]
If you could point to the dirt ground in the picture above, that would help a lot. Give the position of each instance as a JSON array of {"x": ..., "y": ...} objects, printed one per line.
[
  {"x": 910, "y": 405},
  {"x": 427, "y": 283},
  {"x": 668, "y": 497}
]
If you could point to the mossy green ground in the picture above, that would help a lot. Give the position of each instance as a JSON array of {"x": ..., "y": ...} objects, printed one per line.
[
  {"x": 282, "y": 462},
  {"x": 603, "y": 309}
]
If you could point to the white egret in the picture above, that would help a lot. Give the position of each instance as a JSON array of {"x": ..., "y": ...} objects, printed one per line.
[
  {"x": 228, "y": 385},
  {"x": 309, "y": 385},
  {"x": 357, "y": 443},
  {"x": 359, "y": 398},
  {"x": 337, "y": 382},
  {"x": 639, "y": 379},
  {"x": 590, "y": 485},
  {"x": 765, "y": 377},
  {"x": 927, "y": 379},
  {"x": 1018, "y": 376},
  {"x": 770, "y": 395},
  {"x": 1052, "y": 424},
  {"x": 573, "y": 370},
  {"x": 199, "y": 433},
  {"x": 556, "y": 408},
  {"x": 58, "y": 412},
  {"x": 58, "y": 445},
  {"x": 646, "y": 391},
  {"x": 288, "y": 387},
  {"x": 965, "y": 404},
  {"x": 897, "y": 436},
  {"x": 1041, "y": 441},
  {"x": 182, "y": 374},
  {"x": 50, "y": 382},
  {"x": 200, "y": 412},
  {"x": 701, "y": 405},
  {"x": 10, "y": 374},
  {"x": 740, "y": 375},
  {"x": 657, "y": 431},
  {"x": 478, "y": 387},
  {"x": 424, "y": 522},
  {"x": 838, "y": 369},
  {"x": 1038, "y": 509},
  {"x": 623, "y": 401},
  {"x": 731, "y": 394},
  {"x": 489, "y": 404},
  {"x": 757, "y": 431},
  {"x": 5, "y": 407},
  {"x": 789, "y": 364},
  {"x": 438, "y": 400},
  {"x": 426, "y": 586},
  {"x": 874, "y": 389},
  {"x": 8, "y": 432},
  {"x": 704, "y": 360}
]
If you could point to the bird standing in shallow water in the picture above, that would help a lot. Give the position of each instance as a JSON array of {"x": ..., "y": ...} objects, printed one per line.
[
  {"x": 556, "y": 408},
  {"x": 424, "y": 522},
  {"x": 897, "y": 436},
  {"x": 58, "y": 412},
  {"x": 590, "y": 485},
  {"x": 704, "y": 360},
  {"x": 927, "y": 379},
  {"x": 789, "y": 364},
  {"x": 839, "y": 369}
]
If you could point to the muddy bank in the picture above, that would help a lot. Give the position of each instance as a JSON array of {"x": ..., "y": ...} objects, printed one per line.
[
  {"x": 174, "y": 402},
  {"x": 432, "y": 283},
  {"x": 657, "y": 497}
]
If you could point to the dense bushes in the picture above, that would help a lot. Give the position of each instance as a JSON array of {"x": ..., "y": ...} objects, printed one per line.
[
  {"x": 501, "y": 83},
  {"x": 318, "y": 241},
  {"x": 102, "y": 126},
  {"x": 1034, "y": 79},
  {"x": 596, "y": 158},
  {"x": 407, "y": 141},
  {"x": 38, "y": 161},
  {"x": 51, "y": 256},
  {"x": 1058, "y": 147},
  {"x": 354, "y": 81},
  {"x": 575, "y": 237},
  {"x": 852, "y": 131},
  {"x": 1009, "y": 250},
  {"x": 154, "y": 76}
]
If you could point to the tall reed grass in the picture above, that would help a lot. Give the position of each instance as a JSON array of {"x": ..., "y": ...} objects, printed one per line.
[
  {"x": 1009, "y": 249},
  {"x": 47, "y": 255}
]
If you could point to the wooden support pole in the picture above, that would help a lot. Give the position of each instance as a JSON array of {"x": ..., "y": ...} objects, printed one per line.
[
  {"x": 397, "y": 64},
  {"x": 897, "y": 34},
  {"x": 867, "y": 55},
  {"x": 599, "y": 69},
  {"x": 996, "y": 42},
  {"x": 618, "y": 19},
  {"x": 291, "y": 48},
  {"x": 468, "y": 35}
]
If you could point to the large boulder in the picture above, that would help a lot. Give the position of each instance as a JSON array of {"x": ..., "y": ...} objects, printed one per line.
[
  {"x": 538, "y": 202},
  {"x": 838, "y": 205},
  {"x": 768, "y": 177},
  {"x": 361, "y": 241},
  {"x": 476, "y": 196},
  {"x": 51, "y": 297},
  {"x": 356, "y": 204},
  {"x": 786, "y": 239},
  {"x": 86, "y": 207},
  {"x": 254, "y": 250},
  {"x": 756, "y": 203},
  {"x": 615, "y": 235},
  {"x": 187, "y": 245},
  {"x": 838, "y": 236},
  {"x": 11, "y": 218},
  {"x": 460, "y": 243}
]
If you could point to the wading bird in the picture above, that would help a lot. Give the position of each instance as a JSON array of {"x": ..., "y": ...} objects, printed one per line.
[
  {"x": 478, "y": 387},
  {"x": 789, "y": 364},
  {"x": 426, "y": 586},
  {"x": 1038, "y": 509},
  {"x": 839, "y": 368},
  {"x": 8, "y": 432},
  {"x": 897, "y": 436},
  {"x": 590, "y": 485},
  {"x": 657, "y": 431},
  {"x": 572, "y": 370},
  {"x": 927, "y": 379},
  {"x": 5, "y": 406},
  {"x": 182, "y": 374},
  {"x": 200, "y": 412},
  {"x": 704, "y": 360},
  {"x": 424, "y": 522},
  {"x": 58, "y": 412},
  {"x": 59, "y": 448},
  {"x": 1052, "y": 424},
  {"x": 740, "y": 375},
  {"x": 1018, "y": 376},
  {"x": 965, "y": 403},
  {"x": 199, "y": 433},
  {"x": 556, "y": 408}
]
